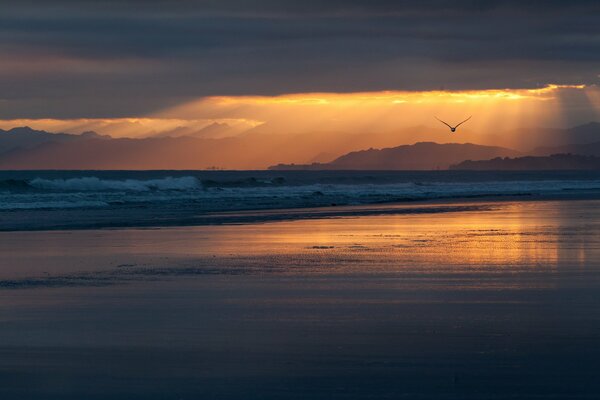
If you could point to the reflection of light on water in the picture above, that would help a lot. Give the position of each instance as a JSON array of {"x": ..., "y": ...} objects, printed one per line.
[
  {"x": 461, "y": 240},
  {"x": 513, "y": 238},
  {"x": 510, "y": 245},
  {"x": 463, "y": 249}
]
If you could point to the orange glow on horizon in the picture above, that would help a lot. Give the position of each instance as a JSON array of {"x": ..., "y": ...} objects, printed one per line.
[
  {"x": 498, "y": 113},
  {"x": 405, "y": 116}
]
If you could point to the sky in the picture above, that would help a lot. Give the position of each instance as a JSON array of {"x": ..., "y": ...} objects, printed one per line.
[{"x": 139, "y": 68}]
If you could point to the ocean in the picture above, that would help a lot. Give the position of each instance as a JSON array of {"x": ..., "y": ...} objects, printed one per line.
[
  {"x": 32, "y": 200},
  {"x": 172, "y": 285}
]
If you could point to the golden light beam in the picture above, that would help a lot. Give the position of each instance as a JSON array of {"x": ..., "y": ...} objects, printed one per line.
[{"x": 496, "y": 113}]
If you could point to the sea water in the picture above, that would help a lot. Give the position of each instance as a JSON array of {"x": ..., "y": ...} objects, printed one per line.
[{"x": 82, "y": 199}]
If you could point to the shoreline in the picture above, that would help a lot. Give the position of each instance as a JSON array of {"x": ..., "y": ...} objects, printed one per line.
[
  {"x": 484, "y": 304},
  {"x": 258, "y": 216}
]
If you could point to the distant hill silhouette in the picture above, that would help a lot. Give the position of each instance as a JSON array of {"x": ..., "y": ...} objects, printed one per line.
[
  {"x": 555, "y": 137},
  {"x": 215, "y": 130},
  {"x": 582, "y": 134},
  {"x": 25, "y": 148},
  {"x": 26, "y": 138},
  {"x": 589, "y": 149},
  {"x": 552, "y": 162},
  {"x": 419, "y": 156}
]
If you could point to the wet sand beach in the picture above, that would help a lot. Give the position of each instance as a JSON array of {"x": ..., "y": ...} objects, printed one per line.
[{"x": 493, "y": 301}]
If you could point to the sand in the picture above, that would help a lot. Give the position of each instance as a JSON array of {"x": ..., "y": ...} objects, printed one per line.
[{"x": 492, "y": 302}]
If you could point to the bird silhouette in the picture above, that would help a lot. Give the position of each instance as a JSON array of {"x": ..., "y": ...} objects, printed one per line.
[{"x": 453, "y": 128}]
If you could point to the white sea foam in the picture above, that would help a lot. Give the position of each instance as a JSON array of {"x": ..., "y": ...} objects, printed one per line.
[
  {"x": 96, "y": 184},
  {"x": 37, "y": 205},
  {"x": 192, "y": 194}
]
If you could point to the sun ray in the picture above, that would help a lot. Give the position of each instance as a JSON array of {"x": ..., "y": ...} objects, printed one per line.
[{"x": 498, "y": 114}]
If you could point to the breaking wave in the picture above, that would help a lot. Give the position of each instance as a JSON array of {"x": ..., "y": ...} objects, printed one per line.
[
  {"x": 197, "y": 192},
  {"x": 97, "y": 184},
  {"x": 42, "y": 205},
  {"x": 92, "y": 184}
]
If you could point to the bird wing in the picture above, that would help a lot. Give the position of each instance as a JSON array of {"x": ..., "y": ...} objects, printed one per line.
[
  {"x": 464, "y": 121},
  {"x": 443, "y": 122}
]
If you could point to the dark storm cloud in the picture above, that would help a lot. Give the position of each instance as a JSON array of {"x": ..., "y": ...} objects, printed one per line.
[{"x": 115, "y": 58}]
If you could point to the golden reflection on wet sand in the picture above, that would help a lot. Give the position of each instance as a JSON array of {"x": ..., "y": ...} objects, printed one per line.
[
  {"x": 460, "y": 305},
  {"x": 511, "y": 237},
  {"x": 519, "y": 236}
]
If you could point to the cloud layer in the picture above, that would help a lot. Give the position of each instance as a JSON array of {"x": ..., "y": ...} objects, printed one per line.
[{"x": 104, "y": 59}]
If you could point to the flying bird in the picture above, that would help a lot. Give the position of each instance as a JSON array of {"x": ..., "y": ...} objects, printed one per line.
[{"x": 453, "y": 128}]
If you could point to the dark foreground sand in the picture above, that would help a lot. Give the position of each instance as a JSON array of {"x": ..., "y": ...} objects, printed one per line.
[{"x": 502, "y": 301}]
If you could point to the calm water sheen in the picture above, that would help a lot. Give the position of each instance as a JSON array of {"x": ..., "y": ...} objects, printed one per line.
[{"x": 496, "y": 302}]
